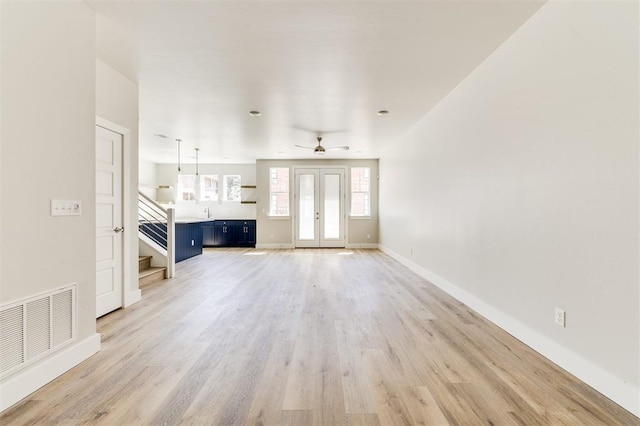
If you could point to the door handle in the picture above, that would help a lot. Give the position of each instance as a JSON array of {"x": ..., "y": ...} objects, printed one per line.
[{"x": 118, "y": 229}]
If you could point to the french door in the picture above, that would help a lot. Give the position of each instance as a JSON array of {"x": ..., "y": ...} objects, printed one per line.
[{"x": 319, "y": 199}]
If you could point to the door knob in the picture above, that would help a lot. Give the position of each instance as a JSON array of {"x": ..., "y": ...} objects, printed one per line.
[{"x": 118, "y": 229}]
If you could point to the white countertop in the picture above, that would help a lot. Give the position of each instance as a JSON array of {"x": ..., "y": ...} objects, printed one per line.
[
  {"x": 194, "y": 220},
  {"x": 201, "y": 219}
]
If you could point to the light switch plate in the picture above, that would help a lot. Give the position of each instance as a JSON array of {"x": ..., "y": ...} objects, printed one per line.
[
  {"x": 66, "y": 208},
  {"x": 560, "y": 317}
]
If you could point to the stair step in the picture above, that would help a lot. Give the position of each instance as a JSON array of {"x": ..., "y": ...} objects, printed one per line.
[
  {"x": 151, "y": 275},
  {"x": 144, "y": 263}
]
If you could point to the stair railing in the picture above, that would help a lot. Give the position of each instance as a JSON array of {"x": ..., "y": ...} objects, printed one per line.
[{"x": 158, "y": 224}]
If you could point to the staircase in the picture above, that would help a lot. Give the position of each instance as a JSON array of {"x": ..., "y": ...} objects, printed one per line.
[
  {"x": 156, "y": 234},
  {"x": 148, "y": 274}
]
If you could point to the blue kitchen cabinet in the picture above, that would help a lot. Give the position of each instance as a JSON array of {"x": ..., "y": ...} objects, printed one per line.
[
  {"x": 188, "y": 240},
  {"x": 208, "y": 234},
  {"x": 233, "y": 233},
  {"x": 246, "y": 233},
  {"x": 224, "y": 233}
]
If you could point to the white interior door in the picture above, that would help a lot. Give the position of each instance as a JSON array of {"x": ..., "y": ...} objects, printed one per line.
[
  {"x": 319, "y": 207},
  {"x": 108, "y": 221}
]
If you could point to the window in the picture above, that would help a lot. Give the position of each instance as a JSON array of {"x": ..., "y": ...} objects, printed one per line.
[
  {"x": 279, "y": 191},
  {"x": 360, "y": 191},
  {"x": 209, "y": 188},
  {"x": 186, "y": 187},
  {"x": 231, "y": 188}
]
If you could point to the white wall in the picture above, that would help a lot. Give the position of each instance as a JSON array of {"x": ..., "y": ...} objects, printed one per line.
[
  {"x": 117, "y": 103},
  {"x": 147, "y": 178},
  {"x": 167, "y": 175},
  {"x": 48, "y": 152},
  {"x": 527, "y": 199},
  {"x": 278, "y": 232}
]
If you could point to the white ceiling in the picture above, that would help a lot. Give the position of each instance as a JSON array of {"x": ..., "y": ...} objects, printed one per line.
[{"x": 308, "y": 66}]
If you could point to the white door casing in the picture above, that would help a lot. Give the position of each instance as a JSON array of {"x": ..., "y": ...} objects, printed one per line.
[
  {"x": 109, "y": 230},
  {"x": 319, "y": 207}
]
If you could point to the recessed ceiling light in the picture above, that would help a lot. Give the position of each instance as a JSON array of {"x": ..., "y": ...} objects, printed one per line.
[
  {"x": 280, "y": 152},
  {"x": 383, "y": 112},
  {"x": 255, "y": 113},
  {"x": 160, "y": 135},
  {"x": 358, "y": 152}
]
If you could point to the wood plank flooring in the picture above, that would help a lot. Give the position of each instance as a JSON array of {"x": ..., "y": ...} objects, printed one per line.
[{"x": 308, "y": 337}]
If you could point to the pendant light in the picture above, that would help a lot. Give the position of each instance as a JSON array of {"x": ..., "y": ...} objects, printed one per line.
[
  {"x": 197, "y": 149},
  {"x": 178, "y": 191},
  {"x": 179, "y": 140}
]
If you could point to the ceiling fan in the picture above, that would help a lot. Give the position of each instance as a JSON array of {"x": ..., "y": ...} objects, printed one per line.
[{"x": 320, "y": 150}]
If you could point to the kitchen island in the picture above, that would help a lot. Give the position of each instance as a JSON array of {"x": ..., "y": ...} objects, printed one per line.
[{"x": 192, "y": 234}]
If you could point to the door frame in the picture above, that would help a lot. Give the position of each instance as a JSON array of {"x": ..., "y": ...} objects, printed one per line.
[
  {"x": 345, "y": 199},
  {"x": 130, "y": 291}
]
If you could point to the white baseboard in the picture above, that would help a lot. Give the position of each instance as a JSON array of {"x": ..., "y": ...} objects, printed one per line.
[
  {"x": 612, "y": 387},
  {"x": 362, "y": 246},
  {"x": 24, "y": 382},
  {"x": 274, "y": 246},
  {"x": 290, "y": 246}
]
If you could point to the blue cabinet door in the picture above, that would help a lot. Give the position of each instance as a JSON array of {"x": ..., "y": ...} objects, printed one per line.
[
  {"x": 208, "y": 235},
  {"x": 246, "y": 231},
  {"x": 224, "y": 233}
]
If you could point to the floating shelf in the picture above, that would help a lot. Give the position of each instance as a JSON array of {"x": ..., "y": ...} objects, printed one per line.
[{"x": 248, "y": 192}]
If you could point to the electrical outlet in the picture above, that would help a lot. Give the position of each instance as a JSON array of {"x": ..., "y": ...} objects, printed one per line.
[{"x": 560, "y": 317}]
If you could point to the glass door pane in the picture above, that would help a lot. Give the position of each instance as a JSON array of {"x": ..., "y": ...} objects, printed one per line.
[
  {"x": 331, "y": 214},
  {"x": 307, "y": 207}
]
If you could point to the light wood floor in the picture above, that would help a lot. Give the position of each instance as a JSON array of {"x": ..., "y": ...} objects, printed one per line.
[{"x": 309, "y": 337}]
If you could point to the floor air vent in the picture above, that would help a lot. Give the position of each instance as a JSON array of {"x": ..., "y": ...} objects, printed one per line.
[{"x": 33, "y": 327}]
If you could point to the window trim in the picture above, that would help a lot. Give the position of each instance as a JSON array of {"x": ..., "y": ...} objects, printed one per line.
[
  {"x": 280, "y": 216},
  {"x": 179, "y": 192},
  {"x": 217, "y": 197},
  {"x": 351, "y": 192},
  {"x": 224, "y": 188}
]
